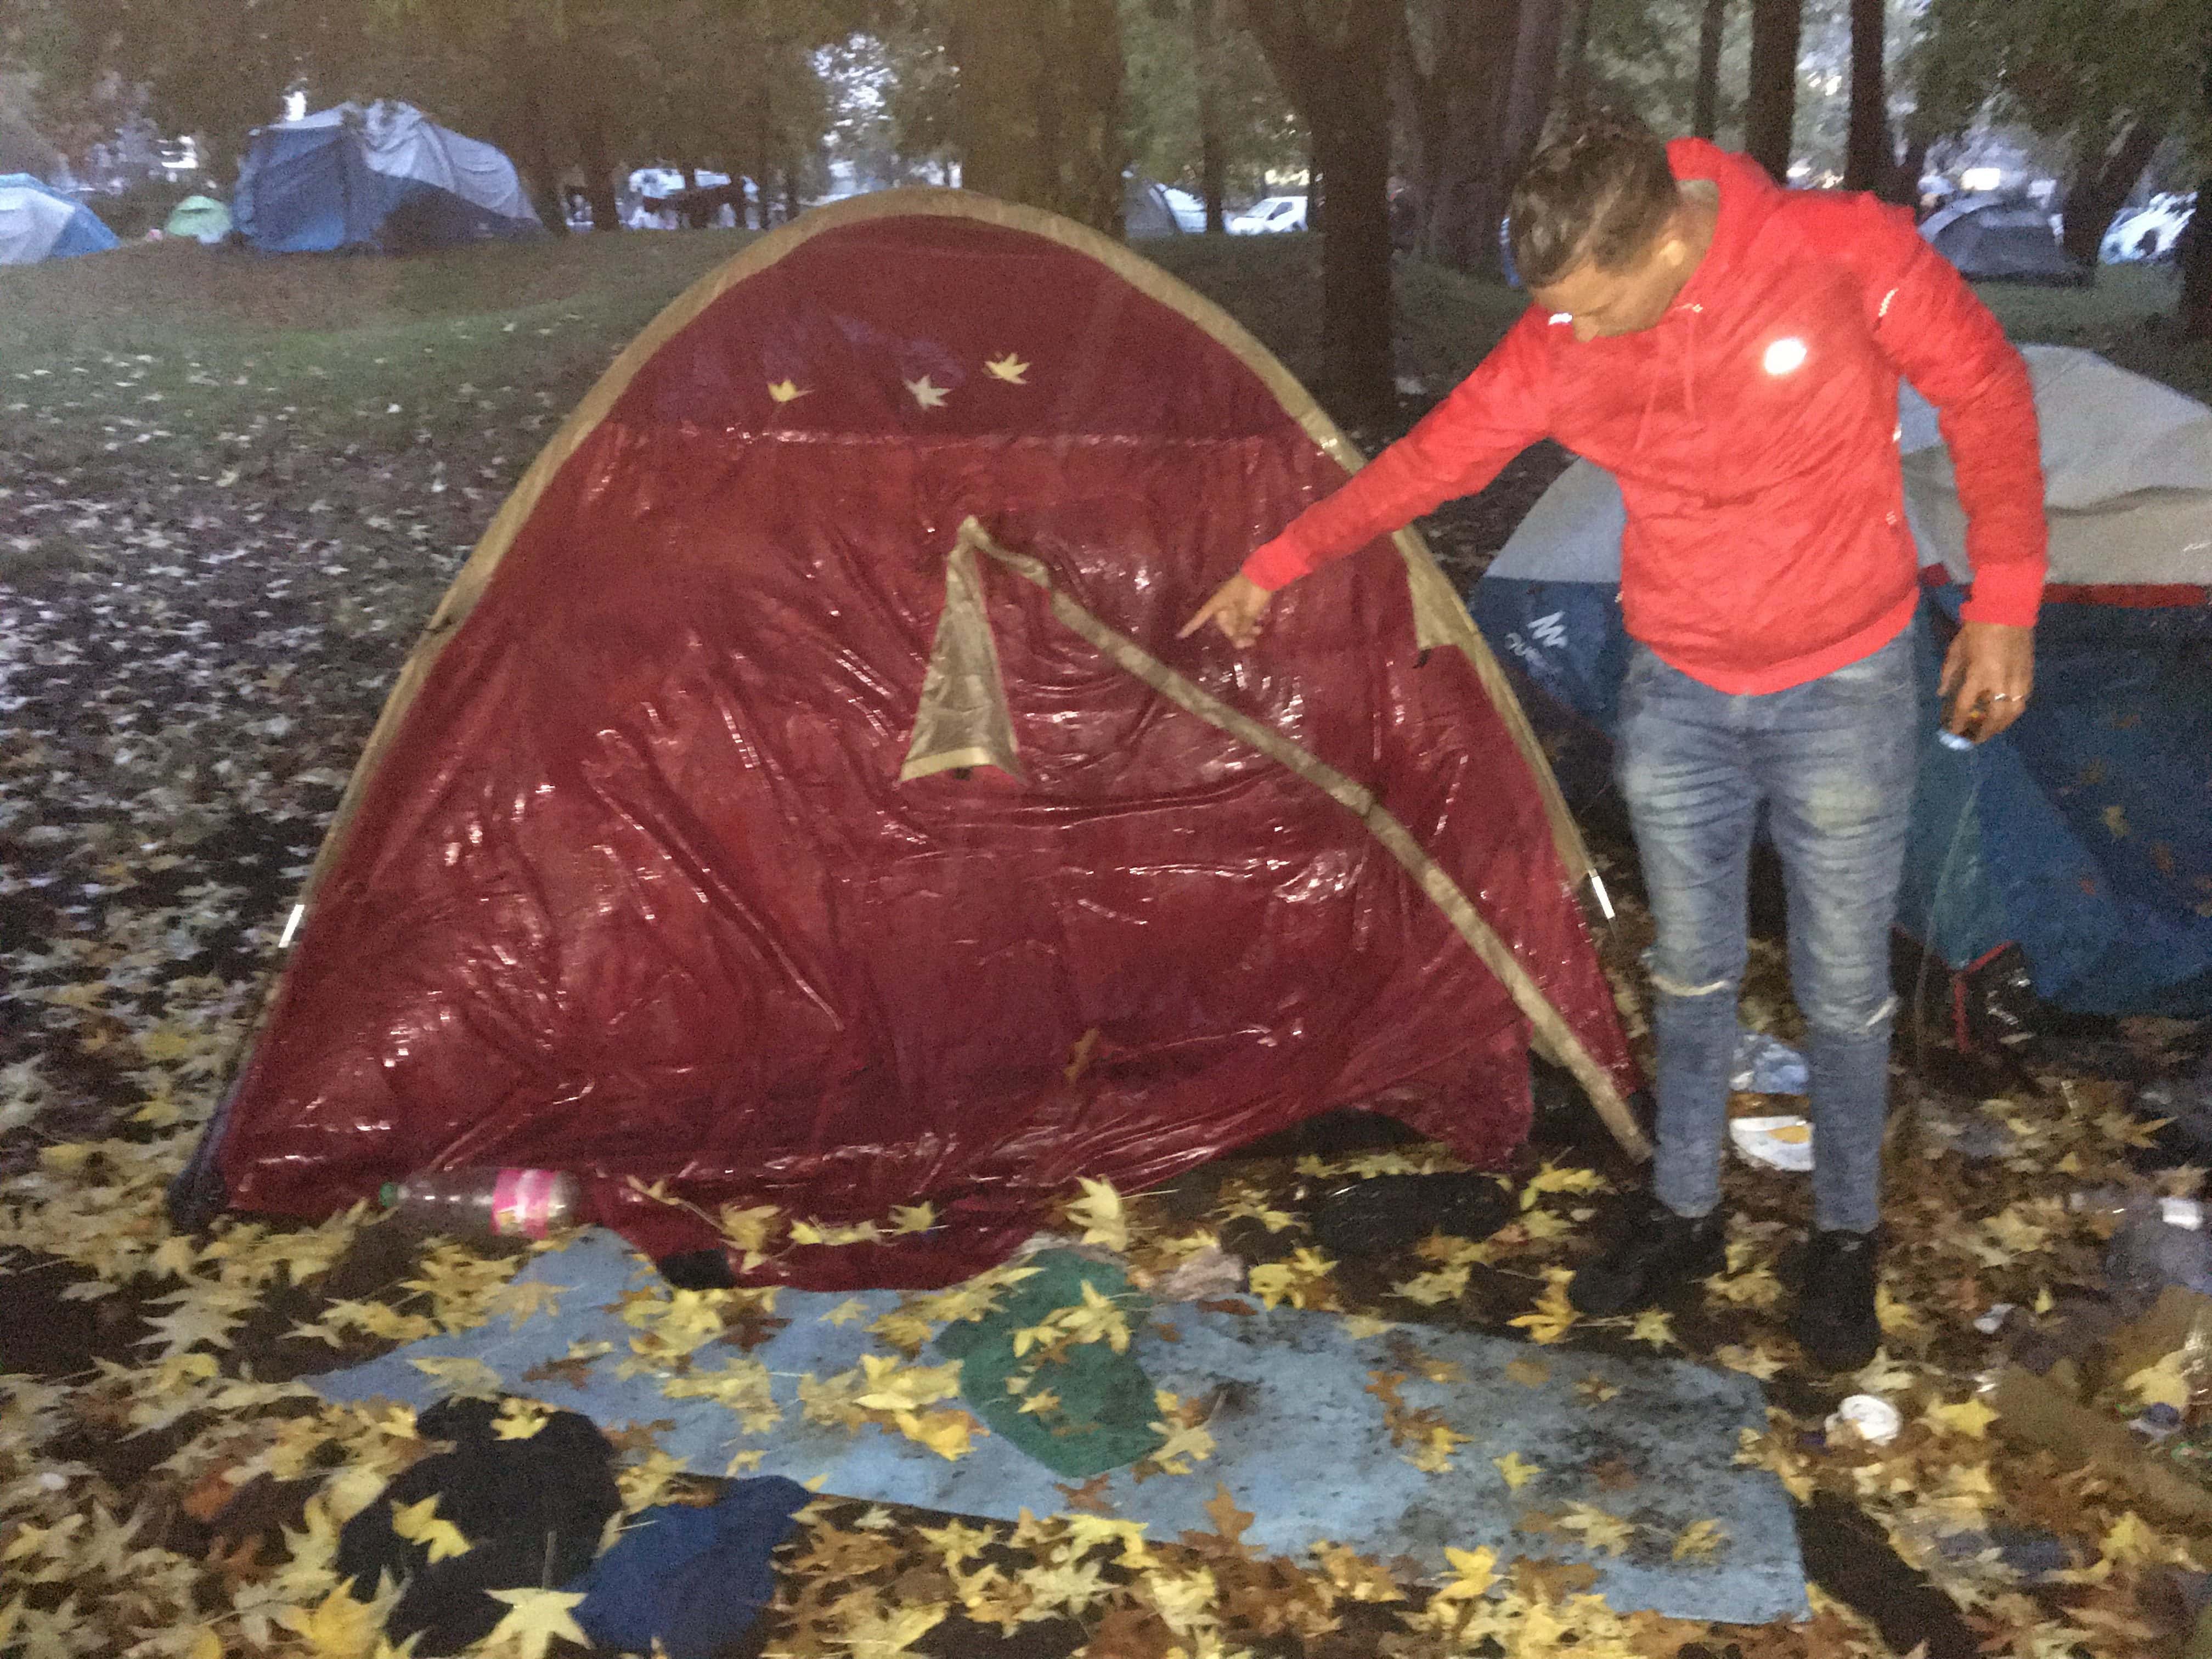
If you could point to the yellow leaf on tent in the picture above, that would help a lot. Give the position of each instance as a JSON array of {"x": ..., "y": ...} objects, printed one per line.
[
  {"x": 1542, "y": 1224},
  {"x": 520, "y": 1420},
  {"x": 956, "y": 1541},
  {"x": 1472, "y": 1572},
  {"x": 1434, "y": 1454},
  {"x": 1700, "y": 1540},
  {"x": 418, "y": 1523},
  {"x": 206, "y": 1645},
  {"x": 1552, "y": 1315},
  {"x": 1529, "y": 1373},
  {"x": 846, "y": 1312},
  {"x": 747, "y": 1228},
  {"x": 1087, "y": 1532},
  {"x": 787, "y": 391},
  {"x": 1009, "y": 368},
  {"x": 1971, "y": 1417},
  {"x": 1099, "y": 1213},
  {"x": 1360, "y": 1327},
  {"x": 1044, "y": 1399},
  {"x": 2162, "y": 1384},
  {"x": 1517, "y": 1471},
  {"x": 1752, "y": 1362},
  {"x": 1655, "y": 1326},
  {"x": 912, "y": 1217},
  {"x": 523, "y": 1300},
  {"x": 533, "y": 1619}
]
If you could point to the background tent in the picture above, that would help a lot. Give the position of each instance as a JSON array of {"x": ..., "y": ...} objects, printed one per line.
[
  {"x": 801, "y": 796},
  {"x": 2082, "y": 833},
  {"x": 200, "y": 217},
  {"x": 1994, "y": 238},
  {"x": 1146, "y": 210},
  {"x": 37, "y": 223},
  {"x": 385, "y": 176}
]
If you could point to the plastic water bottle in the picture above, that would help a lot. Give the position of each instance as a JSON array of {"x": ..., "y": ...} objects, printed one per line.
[{"x": 486, "y": 1203}]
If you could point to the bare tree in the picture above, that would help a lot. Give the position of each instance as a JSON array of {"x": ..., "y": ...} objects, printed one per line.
[
  {"x": 1712, "y": 25},
  {"x": 1869, "y": 155},
  {"x": 1332, "y": 58},
  {"x": 1777, "y": 26}
]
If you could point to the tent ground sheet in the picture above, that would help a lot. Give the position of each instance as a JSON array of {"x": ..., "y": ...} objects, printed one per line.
[{"x": 1300, "y": 1439}]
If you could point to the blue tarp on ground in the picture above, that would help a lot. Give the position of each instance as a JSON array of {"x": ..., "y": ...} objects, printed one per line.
[
  {"x": 1299, "y": 1439},
  {"x": 2084, "y": 834},
  {"x": 385, "y": 176}
]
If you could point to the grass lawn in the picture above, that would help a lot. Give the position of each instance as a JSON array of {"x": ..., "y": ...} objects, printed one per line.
[{"x": 231, "y": 490}]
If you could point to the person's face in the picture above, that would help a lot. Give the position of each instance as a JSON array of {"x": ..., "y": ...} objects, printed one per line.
[{"x": 1604, "y": 303}]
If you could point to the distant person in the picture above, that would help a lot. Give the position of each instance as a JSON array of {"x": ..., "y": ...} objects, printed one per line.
[{"x": 1731, "y": 352}]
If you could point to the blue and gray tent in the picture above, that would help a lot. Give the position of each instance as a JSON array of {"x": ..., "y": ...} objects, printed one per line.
[
  {"x": 37, "y": 221},
  {"x": 383, "y": 177},
  {"x": 2083, "y": 836}
]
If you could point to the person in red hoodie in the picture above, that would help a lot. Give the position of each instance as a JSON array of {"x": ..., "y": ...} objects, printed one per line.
[{"x": 1730, "y": 351}]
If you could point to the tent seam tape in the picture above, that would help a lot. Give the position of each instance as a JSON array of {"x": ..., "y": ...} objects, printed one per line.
[{"x": 1545, "y": 1021}]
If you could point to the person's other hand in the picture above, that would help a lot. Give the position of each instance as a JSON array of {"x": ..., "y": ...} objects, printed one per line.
[
  {"x": 1235, "y": 608},
  {"x": 1987, "y": 676}
]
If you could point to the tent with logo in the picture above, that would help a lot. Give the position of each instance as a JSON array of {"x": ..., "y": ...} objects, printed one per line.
[
  {"x": 202, "y": 218},
  {"x": 2082, "y": 835},
  {"x": 802, "y": 797},
  {"x": 1999, "y": 239},
  {"x": 40, "y": 222},
  {"x": 383, "y": 177}
]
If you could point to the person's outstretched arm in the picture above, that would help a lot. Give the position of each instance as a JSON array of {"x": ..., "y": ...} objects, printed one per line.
[
  {"x": 1459, "y": 446},
  {"x": 1932, "y": 327}
]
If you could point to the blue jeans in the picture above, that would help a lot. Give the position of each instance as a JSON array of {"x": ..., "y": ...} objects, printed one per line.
[{"x": 1832, "y": 761}]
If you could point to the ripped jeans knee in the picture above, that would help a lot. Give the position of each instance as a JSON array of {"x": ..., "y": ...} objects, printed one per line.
[
  {"x": 1862, "y": 1018},
  {"x": 1668, "y": 987}
]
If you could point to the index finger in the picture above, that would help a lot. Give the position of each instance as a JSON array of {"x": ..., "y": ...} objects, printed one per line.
[{"x": 1204, "y": 614}]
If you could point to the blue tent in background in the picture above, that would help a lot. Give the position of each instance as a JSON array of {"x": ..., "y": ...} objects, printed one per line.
[
  {"x": 2083, "y": 836},
  {"x": 38, "y": 221},
  {"x": 385, "y": 177}
]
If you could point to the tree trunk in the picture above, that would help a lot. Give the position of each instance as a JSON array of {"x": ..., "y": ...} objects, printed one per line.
[
  {"x": 1040, "y": 104},
  {"x": 1212, "y": 160},
  {"x": 1465, "y": 108},
  {"x": 1574, "y": 73},
  {"x": 596, "y": 156},
  {"x": 2101, "y": 185},
  {"x": 1352, "y": 143},
  {"x": 2194, "y": 252},
  {"x": 1535, "y": 78},
  {"x": 1705, "y": 112},
  {"x": 1772, "y": 110},
  {"x": 1338, "y": 78},
  {"x": 1869, "y": 157},
  {"x": 1904, "y": 182}
]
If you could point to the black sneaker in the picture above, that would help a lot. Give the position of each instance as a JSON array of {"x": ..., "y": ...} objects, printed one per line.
[
  {"x": 1651, "y": 1250},
  {"x": 1835, "y": 1320}
]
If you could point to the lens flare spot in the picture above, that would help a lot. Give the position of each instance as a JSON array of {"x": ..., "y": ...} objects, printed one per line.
[{"x": 1785, "y": 356}]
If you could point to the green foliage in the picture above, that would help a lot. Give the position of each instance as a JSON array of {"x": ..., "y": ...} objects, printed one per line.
[
  {"x": 2063, "y": 67},
  {"x": 1257, "y": 128}
]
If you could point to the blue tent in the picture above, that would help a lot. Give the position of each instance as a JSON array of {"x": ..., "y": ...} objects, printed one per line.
[
  {"x": 385, "y": 177},
  {"x": 2084, "y": 834},
  {"x": 37, "y": 221}
]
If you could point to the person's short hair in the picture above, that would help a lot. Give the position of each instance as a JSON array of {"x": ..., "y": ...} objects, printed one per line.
[{"x": 1597, "y": 191}]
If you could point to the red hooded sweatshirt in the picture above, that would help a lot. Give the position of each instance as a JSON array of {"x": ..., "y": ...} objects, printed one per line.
[{"x": 1754, "y": 431}]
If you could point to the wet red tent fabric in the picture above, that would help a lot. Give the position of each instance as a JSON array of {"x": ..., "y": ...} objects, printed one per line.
[{"x": 629, "y": 881}]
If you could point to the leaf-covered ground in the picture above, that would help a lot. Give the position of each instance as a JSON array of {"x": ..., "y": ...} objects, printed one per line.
[{"x": 218, "y": 536}]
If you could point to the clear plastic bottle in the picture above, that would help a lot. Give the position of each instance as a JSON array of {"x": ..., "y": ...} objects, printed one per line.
[{"x": 488, "y": 1203}]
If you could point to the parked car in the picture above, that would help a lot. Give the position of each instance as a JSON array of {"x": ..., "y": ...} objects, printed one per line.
[
  {"x": 2147, "y": 233},
  {"x": 1269, "y": 214},
  {"x": 1189, "y": 210}
]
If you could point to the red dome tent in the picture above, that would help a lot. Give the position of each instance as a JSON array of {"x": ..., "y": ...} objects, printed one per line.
[{"x": 804, "y": 765}]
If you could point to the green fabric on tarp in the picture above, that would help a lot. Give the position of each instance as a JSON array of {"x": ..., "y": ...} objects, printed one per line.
[{"x": 1106, "y": 1401}]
